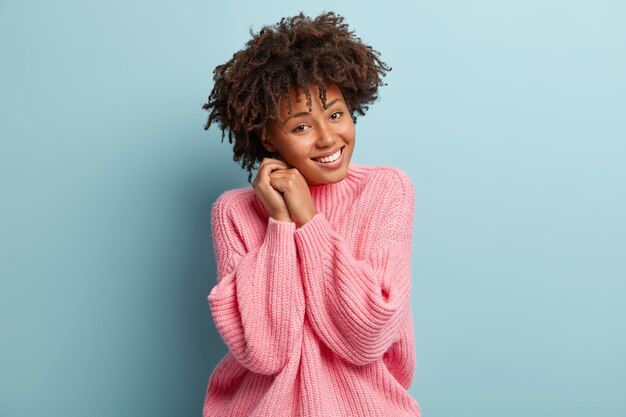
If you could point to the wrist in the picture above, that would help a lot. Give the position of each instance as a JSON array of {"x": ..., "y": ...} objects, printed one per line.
[
  {"x": 281, "y": 217},
  {"x": 307, "y": 219}
]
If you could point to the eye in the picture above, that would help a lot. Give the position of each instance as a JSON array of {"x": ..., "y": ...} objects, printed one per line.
[
  {"x": 299, "y": 129},
  {"x": 339, "y": 113}
]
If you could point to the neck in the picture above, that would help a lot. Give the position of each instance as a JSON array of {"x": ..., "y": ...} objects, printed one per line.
[{"x": 341, "y": 188}]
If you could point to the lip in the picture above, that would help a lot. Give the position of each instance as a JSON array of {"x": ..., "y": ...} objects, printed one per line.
[
  {"x": 332, "y": 165},
  {"x": 328, "y": 153}
]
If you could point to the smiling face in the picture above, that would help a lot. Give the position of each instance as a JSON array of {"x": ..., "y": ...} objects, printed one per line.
[{"x": 303, "y": 137}]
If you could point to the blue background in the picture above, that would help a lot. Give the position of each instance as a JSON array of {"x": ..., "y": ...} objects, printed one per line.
[{"x": 508, "y": 117}]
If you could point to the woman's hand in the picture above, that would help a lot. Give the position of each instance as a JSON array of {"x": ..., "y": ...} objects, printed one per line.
[
  {"x": 272, "y": 199},
  {"x": 295, "y": 190}
]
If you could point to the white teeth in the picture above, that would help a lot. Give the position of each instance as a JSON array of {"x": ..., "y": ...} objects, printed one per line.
[{"x": 330, "y": 158}]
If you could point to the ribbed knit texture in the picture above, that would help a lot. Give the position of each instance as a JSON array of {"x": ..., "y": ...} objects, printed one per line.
[{"x": 316, "y": 318}]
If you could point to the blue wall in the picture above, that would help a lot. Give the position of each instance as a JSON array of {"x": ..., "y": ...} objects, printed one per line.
[{"x": 509, "y": 118}]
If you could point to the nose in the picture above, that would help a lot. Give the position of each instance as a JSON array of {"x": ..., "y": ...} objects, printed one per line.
[{"x": 326, "y": 136}]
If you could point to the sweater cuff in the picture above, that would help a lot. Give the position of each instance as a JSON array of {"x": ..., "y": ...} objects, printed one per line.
[
  {"x": 280, "y": 234},
  {"x": 271, "y": 220},
  {"x": 312, "y": 237}
]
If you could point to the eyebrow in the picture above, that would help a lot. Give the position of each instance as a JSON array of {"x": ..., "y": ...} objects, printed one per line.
[{"x": 306, "y": 113}]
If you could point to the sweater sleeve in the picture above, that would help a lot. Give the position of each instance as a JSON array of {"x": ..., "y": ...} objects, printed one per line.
[
  {"x": 258, "y": 301},
  {"x": 357, "y": 306},
  {"x": 400, "y": 358}
]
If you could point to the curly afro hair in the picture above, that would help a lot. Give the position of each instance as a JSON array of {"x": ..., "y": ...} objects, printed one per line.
[{"x": 297, "y": 51}]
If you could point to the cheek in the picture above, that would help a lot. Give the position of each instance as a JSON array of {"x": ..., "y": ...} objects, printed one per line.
[
  {"x": 347, "y": 131},
  {"x": 297, "y": 149}
]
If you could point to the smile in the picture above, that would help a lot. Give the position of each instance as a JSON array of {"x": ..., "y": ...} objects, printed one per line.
[
  {"x": 332, "y": 161},
  {"x": 330, "y": 158}
]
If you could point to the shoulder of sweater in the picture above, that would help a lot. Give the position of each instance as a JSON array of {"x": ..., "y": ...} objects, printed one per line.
[
  {"x": 235, "y": 195},
  {"x": 389, "y": 194},
  {"x": 390, "y": 177},
  {"x": 233, "y": 201}
]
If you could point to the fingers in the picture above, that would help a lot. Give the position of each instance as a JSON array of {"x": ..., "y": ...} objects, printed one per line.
[
  {"x": 279, "y": 161},
  {"x": 274, "y": 162},
  {"x": 268, "y": 165},
  {"x": 284, "y": 179}
]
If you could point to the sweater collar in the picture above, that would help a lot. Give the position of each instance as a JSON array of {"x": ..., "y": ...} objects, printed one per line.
[{"x": 344, "y": 188}]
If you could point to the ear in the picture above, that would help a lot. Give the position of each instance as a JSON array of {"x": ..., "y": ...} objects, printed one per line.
[
  {"x": 266, "y": 140},
  {"x": 267, "y": 144}
]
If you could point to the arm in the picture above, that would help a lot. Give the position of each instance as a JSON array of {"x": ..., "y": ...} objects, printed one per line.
[
  {"x": 257, "y": 304},
  {"x": 357, "y": 306},
  {"x": 400, "y": 358}
]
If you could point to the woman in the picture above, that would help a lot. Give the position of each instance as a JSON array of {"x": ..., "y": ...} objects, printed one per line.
[{"x": 314, "y": 273}]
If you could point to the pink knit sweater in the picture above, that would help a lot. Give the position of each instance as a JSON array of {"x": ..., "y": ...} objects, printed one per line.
[{"x": 317, "y": 318}]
